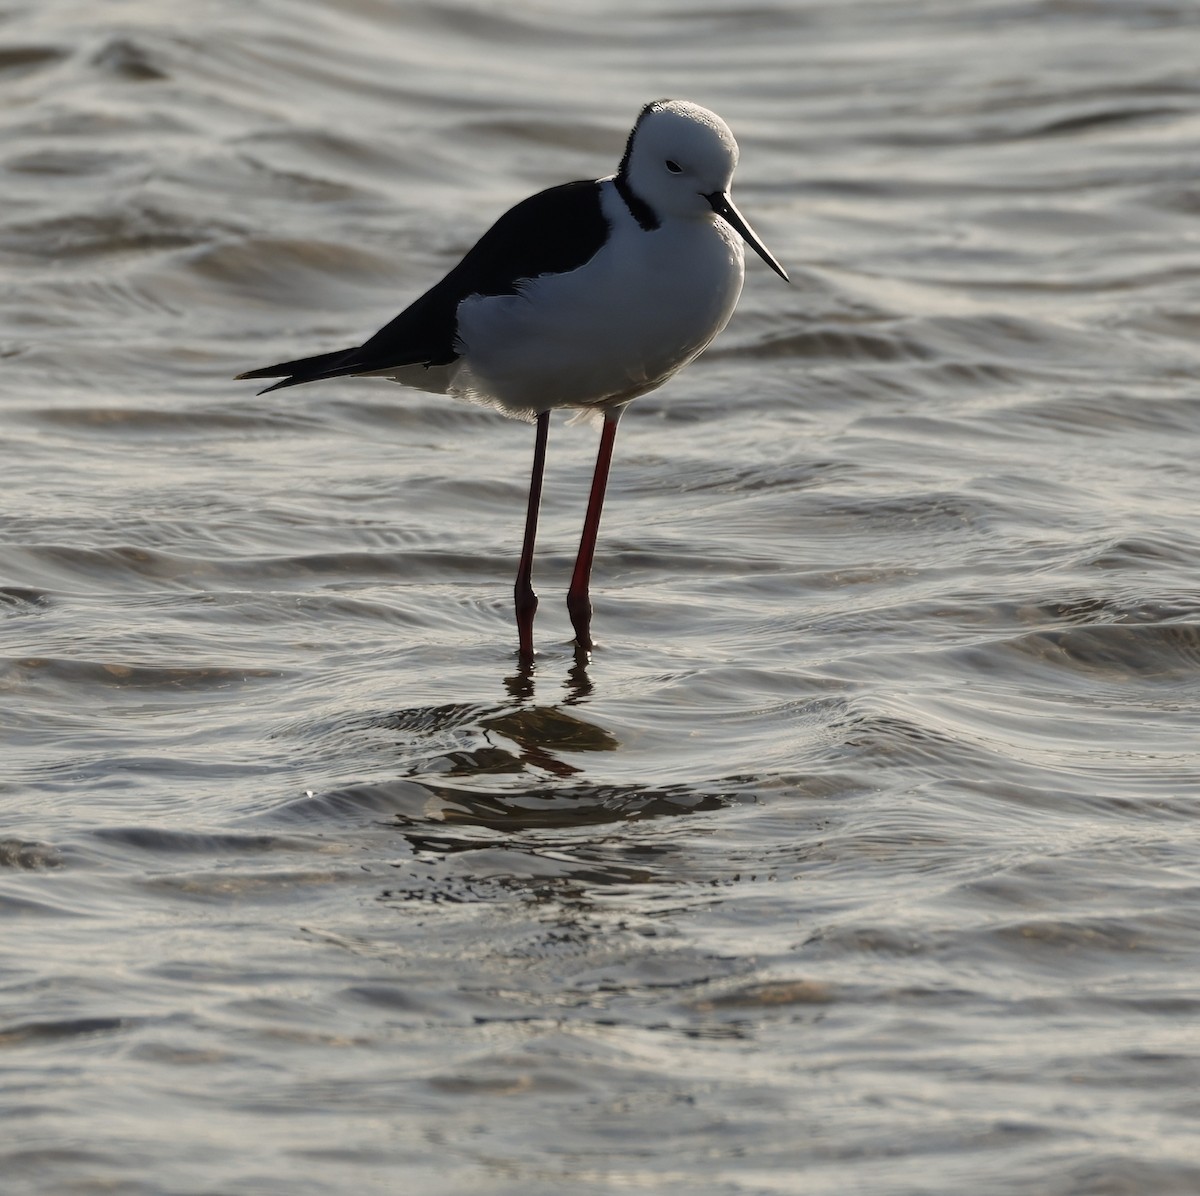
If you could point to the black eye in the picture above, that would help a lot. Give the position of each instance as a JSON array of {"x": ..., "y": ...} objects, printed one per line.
[{"x": 674, "y": 167}]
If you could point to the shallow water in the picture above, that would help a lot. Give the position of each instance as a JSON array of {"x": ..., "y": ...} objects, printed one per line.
[{"x": 864, "y": 856}]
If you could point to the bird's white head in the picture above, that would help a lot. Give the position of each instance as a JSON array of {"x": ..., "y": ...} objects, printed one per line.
[
  {"x": 677, "y": 153},
  {"x": 679, "y": 163}
]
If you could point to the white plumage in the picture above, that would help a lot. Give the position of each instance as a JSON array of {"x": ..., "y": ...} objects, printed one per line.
[{"x": 584, "y": 296}]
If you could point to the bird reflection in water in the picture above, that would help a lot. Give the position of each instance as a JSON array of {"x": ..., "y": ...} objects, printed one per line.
[
  {"x": 578, "y": 684},
  {"x": 512, "y": 767},
  {"x": 517, "y": 765},
  {"x": 513, "y": 736},
  {"x": 540, "y": 731}
]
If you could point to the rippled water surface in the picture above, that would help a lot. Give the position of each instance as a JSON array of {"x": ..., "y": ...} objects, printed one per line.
[{"x": 863, "y": 857}]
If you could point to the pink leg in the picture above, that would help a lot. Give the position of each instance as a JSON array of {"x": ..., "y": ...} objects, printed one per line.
[
  {"x": 526, "y": 599},
  {"x": 578, "y": 603}
]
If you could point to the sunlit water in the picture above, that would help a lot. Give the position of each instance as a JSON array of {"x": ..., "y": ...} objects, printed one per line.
[{"x": 864, "y": 857}]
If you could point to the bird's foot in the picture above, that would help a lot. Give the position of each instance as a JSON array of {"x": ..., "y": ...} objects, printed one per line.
[
  {"x": 579, "y": 607},
  {"x": 526, "y": 604}
]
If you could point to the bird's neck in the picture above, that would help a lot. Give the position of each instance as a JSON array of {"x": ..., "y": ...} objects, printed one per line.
[{"x": 639, "y": 209}]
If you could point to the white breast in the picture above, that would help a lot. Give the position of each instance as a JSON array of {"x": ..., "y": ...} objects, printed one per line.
[{"x": 617, "y": 327}]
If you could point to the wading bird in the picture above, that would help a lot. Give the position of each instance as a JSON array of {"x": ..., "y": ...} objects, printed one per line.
[{"x": 583, "y": 296}]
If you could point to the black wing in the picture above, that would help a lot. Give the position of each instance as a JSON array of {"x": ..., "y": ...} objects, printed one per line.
[{"x": 553, "y": 232}]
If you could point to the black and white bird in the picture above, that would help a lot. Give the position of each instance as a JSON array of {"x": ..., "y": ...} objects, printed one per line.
[{"x": 583, "y": 296}]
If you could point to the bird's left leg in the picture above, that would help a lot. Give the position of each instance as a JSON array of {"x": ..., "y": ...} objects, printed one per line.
[{"x": 579, "y": 603}]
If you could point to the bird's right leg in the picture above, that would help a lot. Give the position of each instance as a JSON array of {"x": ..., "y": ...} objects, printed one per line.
[{"x": 526, "y": 599}]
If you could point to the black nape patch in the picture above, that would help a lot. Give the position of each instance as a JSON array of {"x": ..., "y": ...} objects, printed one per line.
[{"x": 639, "y": 209}]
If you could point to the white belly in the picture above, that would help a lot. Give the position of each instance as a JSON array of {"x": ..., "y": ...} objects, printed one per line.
[{"x": 641, "y": 309}]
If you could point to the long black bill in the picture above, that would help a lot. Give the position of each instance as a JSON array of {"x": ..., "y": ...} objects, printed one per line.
[{"x": 723, "y": 206}]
